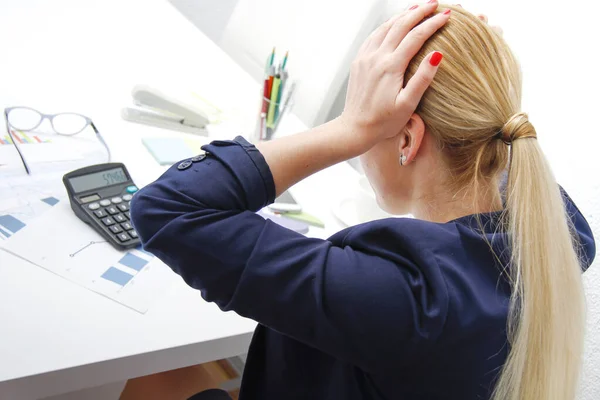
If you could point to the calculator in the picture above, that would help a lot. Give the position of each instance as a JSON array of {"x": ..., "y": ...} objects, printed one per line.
[{"x": 100, "y": 196}]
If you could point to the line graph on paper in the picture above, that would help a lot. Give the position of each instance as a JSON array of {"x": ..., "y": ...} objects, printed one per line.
[{"x": 91, "y": 243}]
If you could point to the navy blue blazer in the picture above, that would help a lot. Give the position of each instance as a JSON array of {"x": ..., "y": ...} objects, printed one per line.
[{"x": 392, "y": 309}]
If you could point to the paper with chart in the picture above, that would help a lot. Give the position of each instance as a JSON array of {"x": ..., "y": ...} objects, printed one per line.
[
  {"x": 23, "y": 198},
  {"x": 61, "y": 243}
]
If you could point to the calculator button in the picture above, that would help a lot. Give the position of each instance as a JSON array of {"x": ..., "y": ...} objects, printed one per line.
[
  {"x": 115, "y": 229},
  {"x": 116, "y": 200},
  {"x": 108, "y": 221},
  {"x": 112, "y": 210},
  {"x": 131, "y": 189},
  {"x": 123, "y": 237},
  {"x": 127, "y": 197},
  {"x": 100, "y": 213},
  {"x": 127, "y": 215},
  {"x": 133, "y": 233},
  {"x": 126, "y": 225},
  {"x": 105, "y": 202},
  {"x": 94, "y": 206},
  {"x": 120, "y": 218},
  {"x": 123, "y": 207}
]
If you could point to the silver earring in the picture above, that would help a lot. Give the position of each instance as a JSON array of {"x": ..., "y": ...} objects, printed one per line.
[{"x": 402, "y": 159}]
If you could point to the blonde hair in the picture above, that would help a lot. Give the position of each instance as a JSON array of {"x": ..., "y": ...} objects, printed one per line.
[{"x": 472, "y": 109}]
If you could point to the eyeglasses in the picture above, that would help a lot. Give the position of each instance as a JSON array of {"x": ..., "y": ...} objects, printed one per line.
[{"x": 27, "y": 119}]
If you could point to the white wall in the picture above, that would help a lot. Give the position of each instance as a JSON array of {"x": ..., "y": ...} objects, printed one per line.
[
  {"x": 210, "y": 16},
  {"x": 322, "y": 37}
]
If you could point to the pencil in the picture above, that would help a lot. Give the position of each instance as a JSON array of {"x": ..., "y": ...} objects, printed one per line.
[
  {"x": 285, "y": 59},
  {"x": 272, "y": 56}
]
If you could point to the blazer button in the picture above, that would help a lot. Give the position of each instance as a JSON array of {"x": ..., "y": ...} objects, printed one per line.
[
  {"x": 198, "y": 158},
  {"x": 184, "y": 165}
]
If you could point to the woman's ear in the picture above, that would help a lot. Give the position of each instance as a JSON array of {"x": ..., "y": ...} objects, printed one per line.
[{"x": 411, "y": 138}]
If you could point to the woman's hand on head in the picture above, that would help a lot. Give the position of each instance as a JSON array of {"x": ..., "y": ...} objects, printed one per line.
[{"x": 378, "y": 104}]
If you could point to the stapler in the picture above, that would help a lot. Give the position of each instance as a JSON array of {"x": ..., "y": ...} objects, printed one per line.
[{"x": 156, "y": 108}]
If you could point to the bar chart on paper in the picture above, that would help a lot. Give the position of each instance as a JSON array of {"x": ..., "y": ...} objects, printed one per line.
[
  {"x": 76, "y": 252},
  {"x": 23, "y": 199},
  {"x": 23, "y": 138}
]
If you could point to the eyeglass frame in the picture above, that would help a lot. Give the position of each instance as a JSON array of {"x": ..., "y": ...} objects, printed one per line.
[{"x": 50, "y": 117}]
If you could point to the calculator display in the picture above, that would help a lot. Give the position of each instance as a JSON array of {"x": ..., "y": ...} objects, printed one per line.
[{"x": 98, "y": 179}]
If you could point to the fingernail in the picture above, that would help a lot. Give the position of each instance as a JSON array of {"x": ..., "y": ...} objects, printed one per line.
[
  {"x": 413, "y": 7},
  {"x": 432, "y": 1},
  {"x": 447, "y": 12},
  {"x": 436, "y": 58}
]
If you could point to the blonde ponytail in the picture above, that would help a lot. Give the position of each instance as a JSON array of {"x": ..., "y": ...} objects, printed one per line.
[
  {"x": 470, "y": 109},
  {"x": 547, "y": 315}
]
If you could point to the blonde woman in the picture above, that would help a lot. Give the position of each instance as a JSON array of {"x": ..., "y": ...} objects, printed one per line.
[{"x": 478, "y": 297}]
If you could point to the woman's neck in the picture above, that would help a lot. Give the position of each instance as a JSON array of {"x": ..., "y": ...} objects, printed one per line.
[{"x": 442, "y": 205}]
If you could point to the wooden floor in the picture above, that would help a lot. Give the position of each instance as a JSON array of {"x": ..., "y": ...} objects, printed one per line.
[
  {"x": 222, "y": 371},
  {"x": 181, "y": 383}
]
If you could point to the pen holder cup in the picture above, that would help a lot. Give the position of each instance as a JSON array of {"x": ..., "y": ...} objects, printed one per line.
[{"x": 271, "y": 113}]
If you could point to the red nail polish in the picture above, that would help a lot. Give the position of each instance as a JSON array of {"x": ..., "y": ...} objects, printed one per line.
[
  {"x": 447, "y": 12},
  {"x": 413, "y": 7},
  {"x": 436, "y": 58}
]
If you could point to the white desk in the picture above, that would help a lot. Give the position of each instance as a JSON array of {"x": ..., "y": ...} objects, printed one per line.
[{"x": 69, "y": 55}]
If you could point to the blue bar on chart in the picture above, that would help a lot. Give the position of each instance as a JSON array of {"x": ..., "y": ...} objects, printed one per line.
[
  {"x": 11, "y": 223},
  {"x": 50, "y": 200},
  {"x": 117, "y": 276},
  {"x": 133, "y": 261},
  {"x": 4, "y": 233}
]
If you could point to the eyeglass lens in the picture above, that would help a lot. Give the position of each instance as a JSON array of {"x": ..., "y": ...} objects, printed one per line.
[
  {"x": 26, "y": 119},
  {"x": 68, "y": 124}
]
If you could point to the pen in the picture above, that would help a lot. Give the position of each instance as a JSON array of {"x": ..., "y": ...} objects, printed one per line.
[{"x": 272, "y": 56}]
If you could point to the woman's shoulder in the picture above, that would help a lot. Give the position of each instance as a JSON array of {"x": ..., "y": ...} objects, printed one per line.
[
  {"x": 401, "y": 234},
  {"x": 476, "y": 232}
]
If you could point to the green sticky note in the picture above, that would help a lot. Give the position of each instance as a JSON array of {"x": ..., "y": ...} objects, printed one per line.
[{"x": 169, "y": 150}]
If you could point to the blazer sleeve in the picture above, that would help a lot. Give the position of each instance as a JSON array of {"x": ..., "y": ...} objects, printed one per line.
[{"x": 199, "y": 218}]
